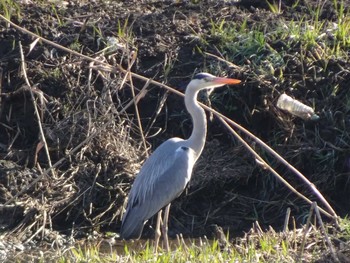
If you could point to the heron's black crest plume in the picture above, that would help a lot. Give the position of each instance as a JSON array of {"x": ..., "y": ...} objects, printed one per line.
[{"x": 202, "y": 76}]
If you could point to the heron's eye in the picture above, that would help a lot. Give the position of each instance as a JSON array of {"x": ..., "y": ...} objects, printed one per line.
[
  {"x": 208, "y": 79},
  {"x": 185, "y": 148}
]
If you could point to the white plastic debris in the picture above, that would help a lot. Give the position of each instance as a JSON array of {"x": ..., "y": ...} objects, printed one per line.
[
  {"x": 296, "y": 108},
  {"x": 113, "y": 44}
]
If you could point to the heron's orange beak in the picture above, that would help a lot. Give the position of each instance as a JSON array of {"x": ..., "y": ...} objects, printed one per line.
[{"x": 226, "y": 81}]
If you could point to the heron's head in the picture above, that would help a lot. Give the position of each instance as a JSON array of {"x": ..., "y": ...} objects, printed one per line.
[{"x": 208, "y": 81}]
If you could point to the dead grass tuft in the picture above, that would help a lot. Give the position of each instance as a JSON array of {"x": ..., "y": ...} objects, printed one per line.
[{"x": 93, "y": 155}]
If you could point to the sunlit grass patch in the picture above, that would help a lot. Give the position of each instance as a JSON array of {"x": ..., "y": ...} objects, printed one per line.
[
  {"x": 263, "y": 47},
  {"x": 306, "y": 244}
]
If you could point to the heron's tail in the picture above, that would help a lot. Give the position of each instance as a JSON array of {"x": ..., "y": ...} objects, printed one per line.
[{"x": 131, "y": 227}]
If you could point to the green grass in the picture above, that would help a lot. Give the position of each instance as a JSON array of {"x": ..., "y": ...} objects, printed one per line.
[
  {"x": 255, "y": 246},
  {"x": 271, "y": 52},
  {"x": 124, "y": 32},
  {"x": 56, "y": 14},
  {"x": 9, "y": 8},
  {"x": 275, "y": 7},
  {"x": 254, "y": 43}
]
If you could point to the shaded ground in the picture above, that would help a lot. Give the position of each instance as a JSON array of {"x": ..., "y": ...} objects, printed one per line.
[{"x": 89, "y": 186}]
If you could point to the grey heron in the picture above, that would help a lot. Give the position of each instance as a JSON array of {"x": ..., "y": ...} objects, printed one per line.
[{"x": 165, "y": 174}]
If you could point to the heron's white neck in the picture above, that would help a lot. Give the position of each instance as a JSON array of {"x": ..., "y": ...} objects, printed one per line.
[{"x": 197, "y": 139}]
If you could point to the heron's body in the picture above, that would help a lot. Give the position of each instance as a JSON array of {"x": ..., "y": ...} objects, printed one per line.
[
  {"x": 168, "y": 170},
  {"x": 174, "y": 162}
]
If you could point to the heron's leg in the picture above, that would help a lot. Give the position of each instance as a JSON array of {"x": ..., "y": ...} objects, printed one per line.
[
  {"x": 165, "y": 227},
  {"x": 158, "y": 233}
]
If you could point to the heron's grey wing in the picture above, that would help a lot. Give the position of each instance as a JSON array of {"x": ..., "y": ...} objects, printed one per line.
[
  {"x": 162, "y": 178},
  {"x": 172, "y": 182}
]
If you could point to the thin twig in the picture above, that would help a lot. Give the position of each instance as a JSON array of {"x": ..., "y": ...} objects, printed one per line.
[
  {"x": 136, "y": 99},
  {"x": 229, "y": 63},
  {"x": 286, "y": 220},
  {"x": 281, "y": 159},
  {"x": 306, "y": 229},
  {"x": 129, "y": 76},
  {"x": 267, "y": 166},
  {"x": 1, "y": 105},
  {"x": 51, "y": 43},
  {"x": 328, "y": 241},
  {"x": 42, "y": 135}
]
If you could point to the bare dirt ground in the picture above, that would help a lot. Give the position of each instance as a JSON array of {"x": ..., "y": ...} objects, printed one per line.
[{"x": 88, "y": 186}]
